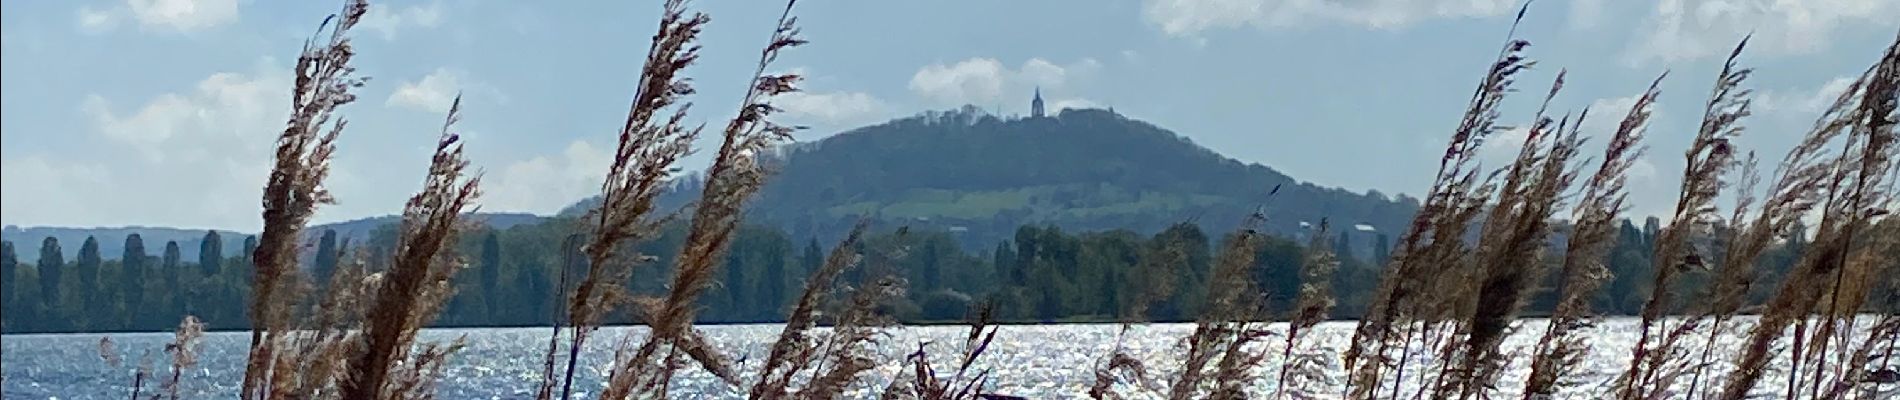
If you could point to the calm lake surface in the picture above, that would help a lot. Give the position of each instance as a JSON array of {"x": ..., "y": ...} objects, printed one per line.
[{"x": 1035, "y": 361}]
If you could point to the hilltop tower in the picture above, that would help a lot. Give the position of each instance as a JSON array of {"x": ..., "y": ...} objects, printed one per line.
[{"x": 1035, "y": 104}]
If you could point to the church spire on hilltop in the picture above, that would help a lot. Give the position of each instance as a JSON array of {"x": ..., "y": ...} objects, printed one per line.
[{"x": 1035, "y": 105}]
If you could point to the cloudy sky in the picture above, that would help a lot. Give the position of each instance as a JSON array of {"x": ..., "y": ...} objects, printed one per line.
[{"x": 161, "y": 112}]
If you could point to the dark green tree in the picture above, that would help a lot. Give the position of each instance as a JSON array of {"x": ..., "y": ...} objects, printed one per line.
[
  {"x": 813, "y": 258},
  {"x": 87, "y": 266},
  {"x": 1343, "y": 248},
  {"x": 1028, "y": 250},
  {"x": 132, "y": 266},
  {"x": 171, "y": 265},
  {"x": 1003, "y": 259},
  {"x": 9, "y": 269},
  {"x": 491, "y": 272},
  {"x": 52, "y": 267},
  {"x": 210, "y": 254},
  {"x": 931, "y": 274},
  {"x": 250, "y": 267},
  {"x": 1382, "y": 253},
  {"x": 772, "y": 254},
  {"x": 1190, "y": 285},
  {"x": 326, "y": 258}
]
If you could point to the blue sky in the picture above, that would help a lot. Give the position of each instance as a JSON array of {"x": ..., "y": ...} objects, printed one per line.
[{"x": 161, "y": 112}]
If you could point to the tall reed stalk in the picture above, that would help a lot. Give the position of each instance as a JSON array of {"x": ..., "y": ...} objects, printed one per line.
[
  {"x": 736, "y": 174},
  {"x": 1854, "y": 200},
  {"x": 650, "y": 145},
  {"x": 1434, "y": 240},
  {"x": 794, "y": 350},
  {"x": 1509, "y": 257},
  {"x": 324, "y": 81},
  {"x": 1603, "y": 200},
  {"x": 417, "y": 284},
  {"x": 1299, "y": 370},
  {"x": 1710, "y": 156},
  {"x": 1224, "y": 329}
]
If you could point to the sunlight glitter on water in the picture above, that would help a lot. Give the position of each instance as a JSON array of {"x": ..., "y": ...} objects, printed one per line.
[{"x": 1035, "y": 361}]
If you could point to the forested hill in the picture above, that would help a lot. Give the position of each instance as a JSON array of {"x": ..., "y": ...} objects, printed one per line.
[
  {"x": 982, "y": 176},
  {"x": 975, "y": 175}
]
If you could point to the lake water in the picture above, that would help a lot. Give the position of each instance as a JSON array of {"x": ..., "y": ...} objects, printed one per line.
[{"x": 1035, "y": 361}]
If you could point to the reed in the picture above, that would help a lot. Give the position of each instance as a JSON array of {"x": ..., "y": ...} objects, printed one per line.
[
  {"x": 963, "y": 384},
  {"x": 1298, "y": 371},
  {"x": 651, "y": 142},
  {"x": 1509, "y": 257},
  {"x": 794, "y": 350},
  {"x": 1854, "y": 200},
  {"x": 324, "y": 82},
  {"x": 1710, "y": 156},
  {"x": 184, "y": 353},
  {"x": 1223, "y": 347},
  {"x": 1433, "y": 242},
  {"x": 417, "y": 283},
  {"x": 1795, "y": 191},
  {"x": 1603, "y": 200},
  {"x": 736, "y": 174}
]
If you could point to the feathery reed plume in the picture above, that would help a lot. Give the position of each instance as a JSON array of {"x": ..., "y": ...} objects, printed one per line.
[
  {"x": 559, "y": 315},
  {"x": 317, "y": 356},
  {"x": 846, "y": 351},
  {"x": 1855, "y": 199},
  {"x": 1797, "y": 188},
  {"x": 736, "y": 174},
  {"x": 1315, "y": 301},
  {"x": 1875, "y": 259},
  {"x": 1603, "y": 201},
  {"x": 324, "y": 80},
  {"x": 649, "y": 148},
  {"x": 794, "y": 350},
  {"x": 1509, "y": 257},
  {"x": 1710, "y": 156},
  {"x": 416, "y": 285},
  {"x": 184, "y": 351},
  {"x": 143, "y": 371},
  {"x": 1436, "y": 231},
  {"x": 1226, "y": 325},
  {"x": 925, "y": 384}
]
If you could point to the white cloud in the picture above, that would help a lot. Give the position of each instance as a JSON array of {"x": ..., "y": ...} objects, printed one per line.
[
  {"x": 968, "y": 80},
  {"x": 225, "y": 105},
  {"x": 435, "y": 91},
  {"x": 544, "y": 185},
  {"x": 1682, "y": 30},
  {"x": 389, "y": 20},
  {"x": 183, "y": 15},
  {"x": 206, "y": 149},
  {"x": 1607, "y": 114},
  {"x": 1585, "y": 13},
  {"x": 1499, "y": 150},
  {"x": 1803, "y": 103},
  {"x": 831, "y": 107},
  {"x": 96, "y": 21},
  {"x": 1187, "y": 18},
  {"x": 984, "y": 81}
]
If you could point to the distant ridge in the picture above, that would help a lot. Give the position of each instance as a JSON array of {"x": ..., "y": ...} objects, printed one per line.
[{"x": 966, "y": 171}]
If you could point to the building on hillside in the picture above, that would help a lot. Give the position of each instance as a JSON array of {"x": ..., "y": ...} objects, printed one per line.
[{"x": 1035, "y": 104}]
